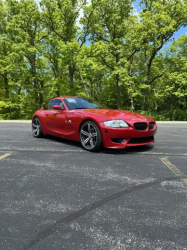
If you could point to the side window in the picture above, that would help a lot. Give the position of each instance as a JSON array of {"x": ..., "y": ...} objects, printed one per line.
[
  {"x": 45, "y": 107},
  {"x": 49, "y": 105},
  {"x": 58, "y": 102}
]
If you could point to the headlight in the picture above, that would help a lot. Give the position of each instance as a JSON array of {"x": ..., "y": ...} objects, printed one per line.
[{"x": 116, "y": 124}]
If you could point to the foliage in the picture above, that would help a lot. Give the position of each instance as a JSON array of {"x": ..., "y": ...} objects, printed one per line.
[{"x": 97, "y": 48}]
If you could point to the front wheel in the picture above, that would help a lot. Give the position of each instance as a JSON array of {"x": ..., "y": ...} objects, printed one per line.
[
  {"x": 90, "y": 136},
  {"x": 36, "y": 128}
]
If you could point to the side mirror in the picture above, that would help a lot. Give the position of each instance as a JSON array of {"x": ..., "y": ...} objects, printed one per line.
[{"x": 58, "y": 107}]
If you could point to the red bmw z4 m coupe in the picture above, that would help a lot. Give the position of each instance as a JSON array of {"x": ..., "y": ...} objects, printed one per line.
[{"x": 79, "y": 119}]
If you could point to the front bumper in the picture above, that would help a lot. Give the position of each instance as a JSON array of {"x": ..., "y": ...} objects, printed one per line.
[{"x": 122, "y": 137}]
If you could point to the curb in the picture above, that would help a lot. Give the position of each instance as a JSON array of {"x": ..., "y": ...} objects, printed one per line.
[
  {"x": 15, "y": 121},
  {"x": 172, "y": 122}
]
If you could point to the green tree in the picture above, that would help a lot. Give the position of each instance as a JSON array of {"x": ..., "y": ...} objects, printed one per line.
[
  {"x": 174, "y": 85},
  {"x": 60, "y": 18},
  {"x": 101, "y": 48},
  {"x": 112, "y": 21},
  {"x": 159, "y": 21},
  {"x": 10, "y": 65}
]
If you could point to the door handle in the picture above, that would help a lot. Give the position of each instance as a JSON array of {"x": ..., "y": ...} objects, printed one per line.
[{"x": 46, "y": 115}]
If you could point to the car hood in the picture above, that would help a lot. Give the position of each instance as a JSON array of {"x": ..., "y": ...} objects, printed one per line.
[{"x": 109, "y": 114}]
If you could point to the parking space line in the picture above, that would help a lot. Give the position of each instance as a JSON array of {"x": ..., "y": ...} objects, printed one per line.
[
  {"x": 4, "y": 156},
  {"x": 173, "y": 168}
]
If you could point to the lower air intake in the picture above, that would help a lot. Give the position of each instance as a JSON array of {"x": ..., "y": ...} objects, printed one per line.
[
  {"x": 118, "y": 140},
  {"x": 151, "y": 125},
  {"x": 141, "y": 140}
]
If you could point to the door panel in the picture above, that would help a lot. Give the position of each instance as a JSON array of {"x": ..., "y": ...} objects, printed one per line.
[{"x": 55, "y": 120}]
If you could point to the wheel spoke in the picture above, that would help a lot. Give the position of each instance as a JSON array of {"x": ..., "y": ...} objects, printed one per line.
[
  {"x": 91, "y": 143},
  {"x": 36, "y": 127},
  {"x": 89, "y": 128},
  {"x": 85, "y": 141},
  {"x": 88, "y": 135},
  {"x": 84, "y": 132},
  {"x": 35, "y": 131},
  {"x": 94, "y": 134}
]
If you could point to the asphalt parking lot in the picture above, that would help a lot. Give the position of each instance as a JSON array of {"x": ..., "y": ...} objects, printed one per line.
[{"x": 54, "y": 195}]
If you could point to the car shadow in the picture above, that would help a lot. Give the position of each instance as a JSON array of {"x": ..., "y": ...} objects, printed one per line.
[
  {"x": 127, "y": 150},
  {"x": 65, "y": 141}
]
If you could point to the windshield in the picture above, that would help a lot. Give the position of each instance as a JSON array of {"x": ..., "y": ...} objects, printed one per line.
[{"x": 80, "y": 103}]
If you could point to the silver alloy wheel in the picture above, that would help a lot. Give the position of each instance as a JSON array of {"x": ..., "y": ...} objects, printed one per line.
[
  {"x": 36, "y": 127},
  {"x": 88, "y": 136}
]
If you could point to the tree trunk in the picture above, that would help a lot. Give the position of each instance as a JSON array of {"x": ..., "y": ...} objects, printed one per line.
[
  {"x": 5, "y": 76},
  {"x": 118, "y": 92},
  {"x": 155, "y": 102},
  {"x": 168, "y": 104},
  {"x": 40, "y": 94},
  {"x": 58, "y": 92},
  {"x": 19, "y": 101},
  {"x": 71, "y": 78},
  {"x": 35, "y": 81},
  {"x": 83, "y": 82},
  {"x": 144, "y": 100},
  {"x": 35, "y": 95},
  {"x": 132, "y": 104}
]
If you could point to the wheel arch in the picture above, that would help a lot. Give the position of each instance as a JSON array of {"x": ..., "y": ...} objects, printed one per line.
[
  {"x": 100, "y": 137},
  {"x": 88, "y": 119},
  {"x": 35, "y": 116},
  {"x": 41, "y": 122}
]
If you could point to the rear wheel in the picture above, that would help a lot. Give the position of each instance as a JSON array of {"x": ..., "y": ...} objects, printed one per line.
[
  {"x": 90, "y": 136},
  {"x": 36, "y": 128}
]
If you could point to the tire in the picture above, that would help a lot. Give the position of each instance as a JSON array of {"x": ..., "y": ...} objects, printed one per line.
[
  {"x": 90, "y": 136},
  {"x": 36, "y": 128}
]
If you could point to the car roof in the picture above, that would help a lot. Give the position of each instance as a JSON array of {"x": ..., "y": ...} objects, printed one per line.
[
  {"x": 63, "y": 97},
  {"x": 60, "y": 97}
]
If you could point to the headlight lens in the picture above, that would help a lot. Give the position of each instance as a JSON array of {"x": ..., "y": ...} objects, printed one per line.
[{"x": 116, "y": 124}]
